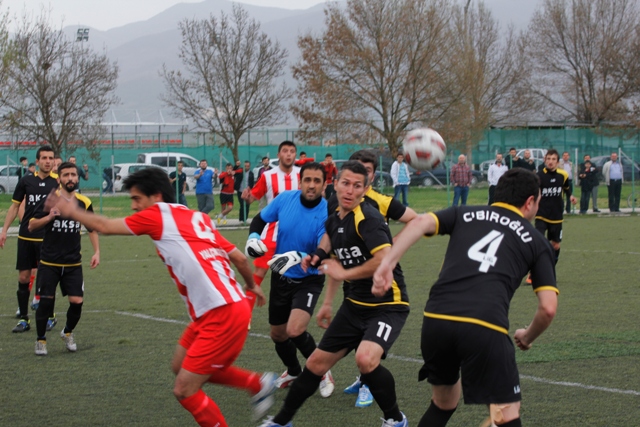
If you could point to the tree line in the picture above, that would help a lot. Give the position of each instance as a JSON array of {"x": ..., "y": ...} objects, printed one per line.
[{"x": 379, "y": 67}]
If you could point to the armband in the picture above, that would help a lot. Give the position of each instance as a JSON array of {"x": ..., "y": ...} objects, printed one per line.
[{"x": 321, "y": 254}]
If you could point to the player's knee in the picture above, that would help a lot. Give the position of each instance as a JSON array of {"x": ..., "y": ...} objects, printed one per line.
[
  {"x": 366, "y": 362},
  {"x": 295, "y": 330},
  {"x": 279, "y": 335},
  {"x": 75, "y": 300},
  {"x": 504, "y": 412}
]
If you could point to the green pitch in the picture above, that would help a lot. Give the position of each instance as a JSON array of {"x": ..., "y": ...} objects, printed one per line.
[{"x": 584, "y": 370}]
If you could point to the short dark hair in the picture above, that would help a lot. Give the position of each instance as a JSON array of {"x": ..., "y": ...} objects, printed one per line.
[
  {"x": 286, "y": 144},
  {"x": 22, "y": 159},
  {"x": 303, "y": 153},
  {"x": 516, "y": 186},
  {"x": 66, "y": 165},
  {"x": 46, "y": 148},
  {"x": 512, "y": 148},
  {"x": 71, "y": 157},
  {"x": 328, "y": 155},
  {"x": 203, "y": 160},
  {"x": 265, "y": 158},
  {"x": 366, "y": 156},
  {"x": 180, "y": 162},
  {"x": 227, "y": 165},
  {"x": 356, "y": 167},
  {"x": 313, "y": 166},
  {"x": 151, "y": 181},
  {"x": 551, "y": 152},
  {"x": 32, "y": 165}
]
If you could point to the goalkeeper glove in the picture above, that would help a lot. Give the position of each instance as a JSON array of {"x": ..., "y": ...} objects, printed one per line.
[
  {"x": 255, "y": 247},
  {"x": 280, "y": 263}
]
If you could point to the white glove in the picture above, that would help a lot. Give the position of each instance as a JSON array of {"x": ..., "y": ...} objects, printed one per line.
[
  {"x": 255, "y": 247},
  {"x": 280, "y": 263}
]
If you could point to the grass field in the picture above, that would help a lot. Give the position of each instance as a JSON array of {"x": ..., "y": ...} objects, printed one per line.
[{"x": 585, "y": 370}]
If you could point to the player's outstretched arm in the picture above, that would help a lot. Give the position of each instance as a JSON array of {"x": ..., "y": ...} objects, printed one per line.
[
  {"x": 240, "y": 261},
  {"x": 547, "y": 307},
  {"x": 95, "y": 242},
  {"x": 12, "y": 213}
]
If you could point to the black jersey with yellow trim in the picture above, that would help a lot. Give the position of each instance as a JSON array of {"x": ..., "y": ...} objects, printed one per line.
[
  {"x": 354, "y": 240},
  {"x": 553, "y": 186},
  {"x": 389, "y": 207},
  {"x": 491, "y": 248},
  {"x": 61, "y": 243},
  {"x": 33, "y": 189}
]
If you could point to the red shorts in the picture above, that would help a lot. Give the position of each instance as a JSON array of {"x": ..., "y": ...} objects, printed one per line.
[
  {"x": 215, "y": 340},
  {"x": 271, "y": 251}
]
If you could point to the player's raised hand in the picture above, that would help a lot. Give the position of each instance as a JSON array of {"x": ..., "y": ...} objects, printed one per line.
[
  {"x": 255, "y": 247},
  {"x": 280, "y": 263}
]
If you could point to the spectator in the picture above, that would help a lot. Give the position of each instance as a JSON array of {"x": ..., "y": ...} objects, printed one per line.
[
  {"x": 304, "y": 159},
  {"x": 511, "y": 161},
  {"x": 567, "y": 165},
  {"x": 331, "y": 172},
  {"x": 204, "y": 188},
  {"x": 265, "y": 167},
  {"x": 107, "y": 175},
  {"x": 527, "y": 162},
  {"x": 612, "y": 171},
  {"x": 588, "y": 179},
  {"x": 401, "y": 179},
  {"x": 32, "y": 168},
  {"x": 23, "y": 167},
  {"x": 248, "y": 180},
  {"x": 461, "y": 179},
  {"x": 596, "y": 182},
  {"x": 496, "y": 170},
  {"x": 182, "y": 183}
]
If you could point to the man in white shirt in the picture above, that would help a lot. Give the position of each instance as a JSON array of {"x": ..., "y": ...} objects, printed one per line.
[
  {"x": 612, "y": 172},
  {"x": 566, "y": 164},
  {"x": 496, "y": 170},
  {"x": 401, "y": 179}
]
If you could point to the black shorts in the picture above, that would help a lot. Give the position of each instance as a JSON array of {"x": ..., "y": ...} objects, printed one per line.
[
  {"x": 353, "y": 324},
  {"x": 28, "y": 254},
  {"x": 287, "y": 294},
  {"x": 486, "y": 359},
  {"x": 70, "y": 279},
  {"x": 551, "y": 230},
  {"x": 226, "y": 199}
]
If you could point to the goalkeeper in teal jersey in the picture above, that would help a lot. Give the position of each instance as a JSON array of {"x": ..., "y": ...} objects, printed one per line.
[{"x": 294, "y": 293}]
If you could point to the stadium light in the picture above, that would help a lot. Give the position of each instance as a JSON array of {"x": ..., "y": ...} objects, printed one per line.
[{"x": 82, "y": 35}]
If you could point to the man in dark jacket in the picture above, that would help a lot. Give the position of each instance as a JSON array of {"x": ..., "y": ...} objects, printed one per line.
[{"x": 244, "y": 179}]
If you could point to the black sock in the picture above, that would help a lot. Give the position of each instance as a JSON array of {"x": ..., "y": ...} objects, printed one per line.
[
  {"x": 557, "y": 253},
  {"x": 512, "y": 423},
  {"x": 305, "y": 343},
  {"x": 73, "y": 317},
  {"x": 436, "y": 417},
  {"x": 287, "y": 352},
  {"x": 45, "y": 308},
  {"x": 383, "y": 388},
  {"x": 301, "y": 389},
  {"x": 23, "y": 300}
]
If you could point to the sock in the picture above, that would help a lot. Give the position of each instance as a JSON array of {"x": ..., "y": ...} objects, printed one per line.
[
  {"x": 238, "y": 378},
  {"x": 73, "y": 317},
  {"x": 557, "y": 252},
  {"x": 512, "y": 423},
  {"x": 250, "y": 295},
  {"x": 42, "y": 315},
  {"x": 383, "y": 388},
  {"x": 286, "y": 351},
  {"x": 305, "y": 343},
  {"x": 23, "y": 300},
  {"x": 204, "y": 410},
  {"x": 301, "y": 389},
  {"x": 435, "y": 417}
]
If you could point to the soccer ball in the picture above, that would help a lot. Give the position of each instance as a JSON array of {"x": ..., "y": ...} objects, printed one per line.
[{"x": 424, "y": 149}]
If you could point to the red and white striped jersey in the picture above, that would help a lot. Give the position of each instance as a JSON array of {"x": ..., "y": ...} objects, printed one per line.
[
  {"x": 269, "y": 185},
  {"x": 195, "y": 253}
]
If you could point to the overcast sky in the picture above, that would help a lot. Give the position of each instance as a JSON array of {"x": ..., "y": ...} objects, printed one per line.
[{"x": 107, "y": 14}]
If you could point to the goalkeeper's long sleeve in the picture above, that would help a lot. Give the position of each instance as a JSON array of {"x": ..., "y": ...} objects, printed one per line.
[{"x": 257, "y": 225}]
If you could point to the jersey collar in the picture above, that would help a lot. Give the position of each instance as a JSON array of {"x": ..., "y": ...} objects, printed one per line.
[{"x": 509, "y": 207}]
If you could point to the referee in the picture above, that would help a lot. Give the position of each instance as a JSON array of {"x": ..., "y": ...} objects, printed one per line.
[
  {"x": 466, "y": 319},
  {"x": 61, "y": 261},
  {"x": 358, "y": 237}
]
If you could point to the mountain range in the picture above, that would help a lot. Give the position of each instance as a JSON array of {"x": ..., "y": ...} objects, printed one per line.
[{"x": 141, "y": 48}]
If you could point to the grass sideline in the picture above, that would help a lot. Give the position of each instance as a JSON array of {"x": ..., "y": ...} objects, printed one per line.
[{"x": 583, "y": 371}]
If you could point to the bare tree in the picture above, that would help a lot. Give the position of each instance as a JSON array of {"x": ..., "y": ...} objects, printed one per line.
[
  {"x": 230, "y": 83},
  {"x": 59, "y": 89},
  {"x": 492, "y": 72},
  {"x": 586, "y": 57},
  {"x": 380, "y": 65},
  {"x": 6, "y": 56}
]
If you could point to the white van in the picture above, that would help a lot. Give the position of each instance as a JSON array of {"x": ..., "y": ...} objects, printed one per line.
[{"x": 168, "y": 161}]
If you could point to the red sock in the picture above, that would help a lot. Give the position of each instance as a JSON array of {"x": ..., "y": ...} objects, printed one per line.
[
  {"x": 204, "y": 410},
  {"x": 250, "y": 295},
  {"x": 238, "y": 378}
]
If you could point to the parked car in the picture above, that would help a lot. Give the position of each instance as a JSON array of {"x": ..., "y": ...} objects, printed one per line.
[
  {"x": 169, "y": 160},
  {"x": 627, "y": 166},
  {"x": 438, "y": 176},
  {"x": 9, "y": 178},
  {"x": 123, "y": 170}
]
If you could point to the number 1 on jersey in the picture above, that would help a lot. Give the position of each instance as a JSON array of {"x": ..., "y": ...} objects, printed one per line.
[{"x": 486, "y": 259}]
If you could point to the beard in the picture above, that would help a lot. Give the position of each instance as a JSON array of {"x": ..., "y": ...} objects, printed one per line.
[{"x": 71, "y": 186}]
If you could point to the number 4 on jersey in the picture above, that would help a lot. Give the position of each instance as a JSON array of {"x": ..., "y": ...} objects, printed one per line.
[{"x": 488, "y": 258}]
